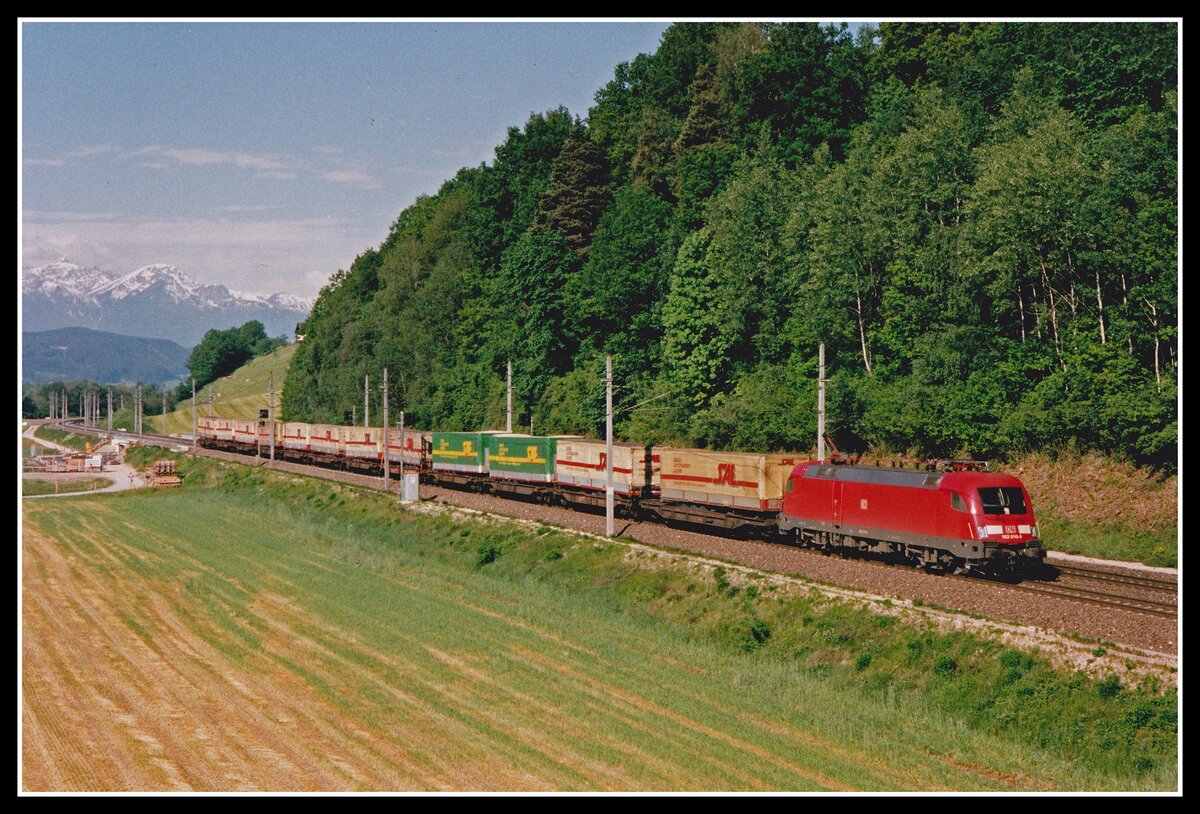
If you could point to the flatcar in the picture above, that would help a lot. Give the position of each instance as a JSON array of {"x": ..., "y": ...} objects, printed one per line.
[{"x": 959, "y": 521}]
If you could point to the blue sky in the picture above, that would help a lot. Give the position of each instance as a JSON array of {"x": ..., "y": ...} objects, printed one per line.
[{"x": 266, "y": 156}]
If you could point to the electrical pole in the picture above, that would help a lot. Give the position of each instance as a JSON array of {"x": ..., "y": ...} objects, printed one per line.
[
  {"x": 608, "y": 484},
  {"x": 821, "y": 405},
  {"x": 164, "y": 410},
  {"x": 402, "y": 454},
  {"x": 366, "y": 400},
  {"x": 137, "y": 411},
  {"x": 110, "y": 409},
  {"x": 271, "y": 414},
  {"x": 210, "y": 398},
  {"x": 508, "y": 413},
  {"x": 193, "y": 414},
  {"x": 386, "y": 457}
]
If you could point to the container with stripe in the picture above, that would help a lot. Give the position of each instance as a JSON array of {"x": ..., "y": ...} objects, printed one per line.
[
  {"x": 580, "y": 463},
  {"x": 216, "y": 428},
  {"x": 245, "y": 431},
  {"x": 738, "y": 479},
  {"x": 363, "y": 442},
  {"x": 461, "y": 451},
  {"x": 513, "y": 456},
  {"x": 295, "y": 436},
  {"x": 325, "y": 438},
  {"x": 413, "y": 443}
]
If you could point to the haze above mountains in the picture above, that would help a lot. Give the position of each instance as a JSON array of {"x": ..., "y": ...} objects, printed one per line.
[{"x": 156, "y": 301}]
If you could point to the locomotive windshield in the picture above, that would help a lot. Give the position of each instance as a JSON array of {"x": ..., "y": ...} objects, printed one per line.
[{"x": 1002, "y": 500}]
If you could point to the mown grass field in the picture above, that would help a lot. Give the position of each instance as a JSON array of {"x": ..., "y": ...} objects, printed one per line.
[
  {"x": 238, "y": 395},
  {"x": 261, "y": 631}
]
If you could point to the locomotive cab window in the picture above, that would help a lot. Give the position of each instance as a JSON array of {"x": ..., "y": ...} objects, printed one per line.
[
  {"x": 957, "y": 502},
  {"x": 1002, "y": 500},
  {"x": 789, "y": 486}
]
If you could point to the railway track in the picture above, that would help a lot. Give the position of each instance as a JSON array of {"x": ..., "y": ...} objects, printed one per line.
[
  {"x": 1138, "y": 581},
  {"x": 1087, "y": 595},
  {"x": 1154, "y": 607}
]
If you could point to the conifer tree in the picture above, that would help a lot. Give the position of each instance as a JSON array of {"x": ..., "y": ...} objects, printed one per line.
[{"x": 577, "y": 193}]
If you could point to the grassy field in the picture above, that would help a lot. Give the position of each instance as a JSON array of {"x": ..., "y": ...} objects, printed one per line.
[
  {"x": 260, "y": 631},
  {"x": 64, "y": 437},
  {"x": 48, "y": 486},
  {"x": 238, "y": 395},
  {"x": 37, "y": 449}
]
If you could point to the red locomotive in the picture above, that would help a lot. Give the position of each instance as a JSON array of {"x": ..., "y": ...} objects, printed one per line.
[{"x": 955, "y": 521}]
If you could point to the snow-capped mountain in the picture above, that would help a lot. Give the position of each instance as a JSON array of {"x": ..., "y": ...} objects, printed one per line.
[
  {"x": 157, "y": 301},
  {"x": 64, "y": 280}
]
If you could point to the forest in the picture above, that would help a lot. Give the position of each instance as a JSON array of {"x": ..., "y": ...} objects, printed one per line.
[{"x": 978, "y": 220}]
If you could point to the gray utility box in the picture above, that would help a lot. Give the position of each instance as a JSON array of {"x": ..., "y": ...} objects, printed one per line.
[{"x": 410, "y": 490}]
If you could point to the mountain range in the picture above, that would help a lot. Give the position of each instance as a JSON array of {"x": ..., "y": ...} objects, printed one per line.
[
  {"x": 156, "y": 301},
  {"x": 71, "y": 354}
]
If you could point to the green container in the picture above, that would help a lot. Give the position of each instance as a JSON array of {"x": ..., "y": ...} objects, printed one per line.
[
  {"x": 521, "y": 457},
  {"x": 461, "y": 451}
]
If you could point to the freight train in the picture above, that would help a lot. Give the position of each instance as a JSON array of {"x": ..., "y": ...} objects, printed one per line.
[{"x": 953, "y": 519}]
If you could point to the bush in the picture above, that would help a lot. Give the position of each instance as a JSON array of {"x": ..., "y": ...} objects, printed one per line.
[
  {"x": 1110, "y": 687},
  {"x": 487, "y": 554},
  {"x": 862, "y": 662},
  {"x": 945, "y": 666},
  {"x": 724, "y": 588},
  {"x": 759, "y": 632}
]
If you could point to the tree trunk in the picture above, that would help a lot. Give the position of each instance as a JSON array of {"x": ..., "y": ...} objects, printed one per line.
[
  {"x": 1125, "y": 302},
  {"x": 1037, "y": 312},
  {"x": 862, "y": 333},
  {"x": 1154, "y": 324},
  {"x": 1053, "y": 316},
  {"x": 1021, "y": 307},
  {"x": 1100, "y": 305}
]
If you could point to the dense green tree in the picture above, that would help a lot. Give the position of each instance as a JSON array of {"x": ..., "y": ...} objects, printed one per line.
[
  {"x": 614, "y": 302},
  {"x": 699, "y": 325},
  {"x": 577, "y": 192},
  {"x": 979, "y": 220}
]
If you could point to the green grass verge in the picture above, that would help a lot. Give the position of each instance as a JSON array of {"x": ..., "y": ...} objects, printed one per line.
[
  {"x": 575, "y": 646},
  {"x": 38, "y": 486},
  {"x": 64, "y": 437},
  {"x": 1113, "y": 542},
  {"x": 30, "y": 448}
]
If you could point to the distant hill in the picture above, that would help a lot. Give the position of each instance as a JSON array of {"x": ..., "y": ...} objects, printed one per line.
[
  {"x": 241, "y": 394},
  {"x": 154, "y": 301},
  {"x": 81, "y": 353}
]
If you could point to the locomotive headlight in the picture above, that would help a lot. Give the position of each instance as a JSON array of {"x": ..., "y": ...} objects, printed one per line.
[
  {"x": 982, "y": 532},
  {"x": 1033, "y": 530}
]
